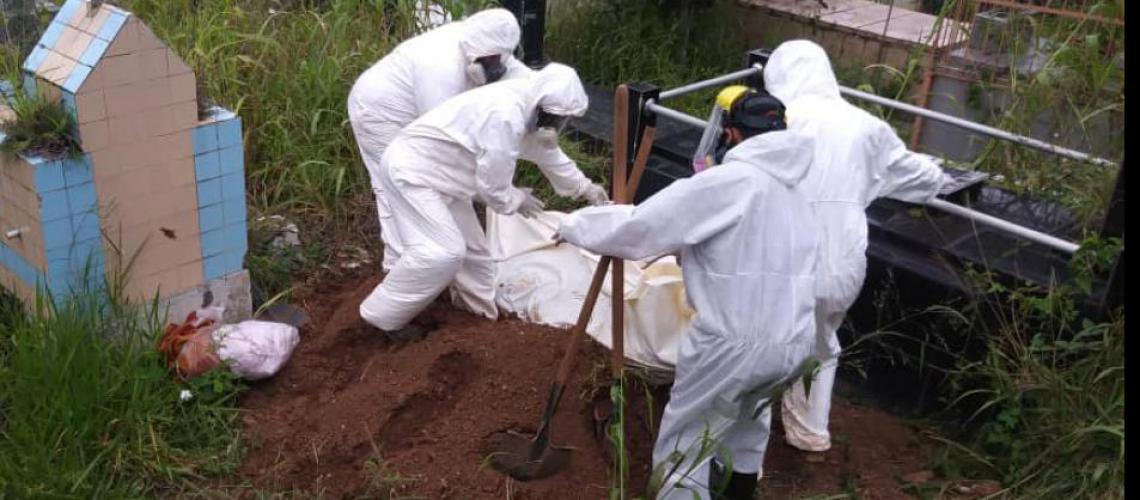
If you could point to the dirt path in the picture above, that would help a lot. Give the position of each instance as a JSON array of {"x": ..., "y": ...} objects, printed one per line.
[{"x": 354, "y": 415}]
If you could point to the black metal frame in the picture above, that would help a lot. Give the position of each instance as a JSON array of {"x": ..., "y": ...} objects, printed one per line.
[
  {"x": 1113, "y": 227},
  {"x": 532, "y": 21}
]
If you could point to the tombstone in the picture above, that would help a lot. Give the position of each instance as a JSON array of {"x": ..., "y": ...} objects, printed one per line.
[{"x": 156, "y": 194}]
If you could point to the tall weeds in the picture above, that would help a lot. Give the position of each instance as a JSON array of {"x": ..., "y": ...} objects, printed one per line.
[{"x": 88, "y": 410}]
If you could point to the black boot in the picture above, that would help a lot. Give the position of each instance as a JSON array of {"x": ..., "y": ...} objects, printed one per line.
[
  {"x": 408, "y": 333},
  {"x": 737, "y": 487}
]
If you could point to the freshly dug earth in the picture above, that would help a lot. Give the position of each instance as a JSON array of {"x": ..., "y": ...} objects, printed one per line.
[{"x": 354, "y": 415}]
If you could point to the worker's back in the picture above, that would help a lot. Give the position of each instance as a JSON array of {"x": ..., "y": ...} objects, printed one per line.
[
  {"x": 852, "y": 153},
  {"x": 423, "y": 72},
  {"x": 754, "y": 281},
  {"x": 389, "y": 88}
]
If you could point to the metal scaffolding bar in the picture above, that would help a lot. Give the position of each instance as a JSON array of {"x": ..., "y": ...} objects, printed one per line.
[
  {"x": 711, "y": 82},
  {"x": 974, "y": 215},
  {"x": 977, "y": 127},
  {"x": 1004, "y": 225},
  {"x": 901, "y": 106},
  {"x": 652, "y": 107}
]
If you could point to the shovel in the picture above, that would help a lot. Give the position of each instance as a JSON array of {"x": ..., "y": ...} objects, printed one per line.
[{"x": 526, "y": 458}]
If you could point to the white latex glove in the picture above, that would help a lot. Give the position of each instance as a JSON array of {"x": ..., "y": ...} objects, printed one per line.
[
  {"x": 949, "y": 184},
  {"x": 596, "y": 195},
  {"x": 531, "y": 206}
]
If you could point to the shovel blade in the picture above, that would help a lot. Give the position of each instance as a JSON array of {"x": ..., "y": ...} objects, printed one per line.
[{"x": 523, "y": 458}]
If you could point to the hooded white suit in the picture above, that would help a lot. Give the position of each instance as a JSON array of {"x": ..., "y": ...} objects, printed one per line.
[
  {"x": 464, "y": 149},
  {"x": 857, "y": 158},
  {"x": 748, "y": 241},
  {"x": 420, "y": 74}
]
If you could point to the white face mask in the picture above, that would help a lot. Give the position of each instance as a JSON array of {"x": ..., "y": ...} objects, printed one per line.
[{"x": 475, "y": 74}]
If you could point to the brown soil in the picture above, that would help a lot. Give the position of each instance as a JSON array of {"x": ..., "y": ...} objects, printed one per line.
[{"x": 353, "y": 415}]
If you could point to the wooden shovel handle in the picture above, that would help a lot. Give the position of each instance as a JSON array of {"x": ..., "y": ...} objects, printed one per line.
[{"x": 583, "y": 321}]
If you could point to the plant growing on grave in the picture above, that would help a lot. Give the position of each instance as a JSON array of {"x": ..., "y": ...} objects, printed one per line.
[{"x": 40, "y": 127}]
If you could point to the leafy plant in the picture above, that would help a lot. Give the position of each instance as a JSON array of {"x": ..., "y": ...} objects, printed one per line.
[{"x": 40, "y": 127}]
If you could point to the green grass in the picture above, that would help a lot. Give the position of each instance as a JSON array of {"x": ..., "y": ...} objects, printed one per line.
[
  {"x": 662, "y": 42},
  {"x": 40, "y": 127},
  {"x": 89, "y": 411},
  {"x": 1047, "y": 396},
  {"x": 1034, "y": 397},
  {"x": 1081, "y": 82}
]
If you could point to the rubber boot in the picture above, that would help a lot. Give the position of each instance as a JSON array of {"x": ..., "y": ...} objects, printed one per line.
[
  {"x": 407, "y": 333},
  {"x": 738, "y": 486}
]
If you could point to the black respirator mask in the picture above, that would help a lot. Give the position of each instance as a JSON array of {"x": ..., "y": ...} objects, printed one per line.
[
  {"x": 549, "y": 126},
  {"x": 487, "y": 69}
]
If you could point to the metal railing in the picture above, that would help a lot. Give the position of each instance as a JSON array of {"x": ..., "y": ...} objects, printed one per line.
[{"x": 982, "y": 218}]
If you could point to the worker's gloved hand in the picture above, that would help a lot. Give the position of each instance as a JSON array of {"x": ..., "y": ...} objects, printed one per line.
[
  {"x": 949, "y": 184},
  {"x": 596, "y": 195},
  {"x": 531, "y": 206}
]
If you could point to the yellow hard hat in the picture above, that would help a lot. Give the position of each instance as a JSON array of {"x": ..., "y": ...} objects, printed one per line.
[{"x": 730, "y": 94}]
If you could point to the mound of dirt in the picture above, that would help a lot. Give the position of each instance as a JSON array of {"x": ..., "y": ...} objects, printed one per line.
[{"x": 355, "y": 415}]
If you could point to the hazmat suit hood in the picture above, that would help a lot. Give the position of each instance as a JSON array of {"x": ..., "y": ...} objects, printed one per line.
[
  {"x": 799, "y": 69},
  {"x": 558, "y": 90},
  {"x": 488, "y": 32},
  {"x": 783, "y": 154}
]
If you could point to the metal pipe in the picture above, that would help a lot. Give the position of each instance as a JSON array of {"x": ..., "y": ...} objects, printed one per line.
[
  {"x": 711, "y": 82},
  {"x": 974, "y": 215},
  {"x": 890, "y": 103},
  {"x": 977, "y": 127},
  {"x": 653, "y": 107},
  {"x": 1004, "y": 225}
]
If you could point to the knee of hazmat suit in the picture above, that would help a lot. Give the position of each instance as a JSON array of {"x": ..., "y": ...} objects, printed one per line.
[
  {"x": 856, "y": 159},
  {"x": 468, "y": 147},
  {"x": 748, "y": 240},
  {"x": 423, "y": 72}
]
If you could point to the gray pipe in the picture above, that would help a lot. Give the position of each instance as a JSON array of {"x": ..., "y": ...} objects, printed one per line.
[
  {"x": 909, "y": 108},
  {"x": 977, "y": 127},
  {"x": 974, "y": 215},
  {"x": 711, "y": 82},
  {"x": 1004, "y": 225},
  {"x": 652, "y": 106}
]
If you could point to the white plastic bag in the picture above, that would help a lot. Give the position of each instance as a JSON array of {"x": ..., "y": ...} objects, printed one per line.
[{"x": 256, "y": 349}]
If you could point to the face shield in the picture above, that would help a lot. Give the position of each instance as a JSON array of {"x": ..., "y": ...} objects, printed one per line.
[
  {"x": 705, "y": 156},
  {"x": 710, "y": 151}
]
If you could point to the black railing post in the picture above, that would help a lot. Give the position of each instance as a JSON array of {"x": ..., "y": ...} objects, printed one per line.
[
  {"x": 758, "y": 56},
  {"x": 532, "y": 20},
  {"x": 1113, "y": 227}
]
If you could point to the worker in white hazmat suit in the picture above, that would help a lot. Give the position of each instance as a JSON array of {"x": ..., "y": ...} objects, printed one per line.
[
  {"x": 466, "y": 149},
  {"x": 420, "y": 74},
  {"x": 857, "y": 158},
  {"x": 748, "y": 242}
]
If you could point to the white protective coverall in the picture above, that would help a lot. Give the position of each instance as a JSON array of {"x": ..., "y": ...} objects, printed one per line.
[
  {"x": 466, "y": 148},
  {"x": 748, "y": 243},
  {"x": 857, "y": 159},
  {"x": 420, "y": 74}
]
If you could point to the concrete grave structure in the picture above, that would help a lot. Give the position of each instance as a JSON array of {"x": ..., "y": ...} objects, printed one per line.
[{"x": 156, "y": 191}]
